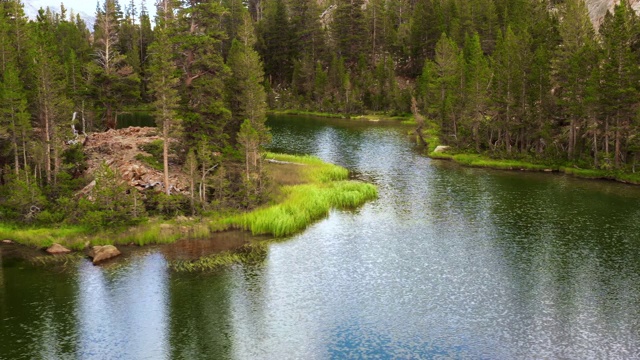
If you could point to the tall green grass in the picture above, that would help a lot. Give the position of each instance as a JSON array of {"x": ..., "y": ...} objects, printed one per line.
[
  {"x": 43, "y": 237},
  {"x": 481, "y": 161},
  {"x": 304, "y": 204},
  {"x": 326, "y": 188},
  {"x": 316, "y": 169}
]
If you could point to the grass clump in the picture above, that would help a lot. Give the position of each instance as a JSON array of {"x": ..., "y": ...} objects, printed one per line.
[
  {"x": 303, "y": 204},
  {"x": 254, "y": 253},
  {"x": 481, "y": 161},
  {"x": 41, "y": 237},
  {"x": 316, "y": 169}
]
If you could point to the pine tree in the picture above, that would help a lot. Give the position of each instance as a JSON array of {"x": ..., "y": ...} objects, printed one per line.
[
  {"x": 274, "y": 43},
  {"x": 164, "y": 81},
  {"x": 450, "y": 69},
  {"x": 53, "y": 106},
  {"x": 572, "y": 67},
  {"x": 247, "y": 97},
  {"x": 478, "y": 80},
  {"x": 510, "y": 68},
  {"x": 202, "y": 107},
  {"x": 14, "y": 114},
  {"x": 349, "y": 31},
  {"x": 115, "y": 82},
  {"x": 619, "y": 77}
]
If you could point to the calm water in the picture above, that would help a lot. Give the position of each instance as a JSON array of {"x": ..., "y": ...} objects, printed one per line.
[{"x": 449, "y": 262}]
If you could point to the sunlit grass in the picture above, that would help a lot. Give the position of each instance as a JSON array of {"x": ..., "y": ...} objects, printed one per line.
[
  {"x": 42, "y": 237},
  {"x": 481, "y": 161},
  {"x": 326, "y": 188}
]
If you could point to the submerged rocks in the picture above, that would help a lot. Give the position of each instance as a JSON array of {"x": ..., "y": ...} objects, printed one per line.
[
  {"x": 57, "y": 249},
  {"x": 101, "y": 253}
]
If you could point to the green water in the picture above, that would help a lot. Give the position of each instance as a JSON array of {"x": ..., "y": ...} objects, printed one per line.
[{"x": 449, "y": 262}]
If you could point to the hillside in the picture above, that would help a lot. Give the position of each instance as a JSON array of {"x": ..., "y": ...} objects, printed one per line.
[{"x": 598, "y": 9}]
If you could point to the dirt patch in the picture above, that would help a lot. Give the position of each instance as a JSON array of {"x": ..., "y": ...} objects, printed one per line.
[{"x": 119, "y": 148}]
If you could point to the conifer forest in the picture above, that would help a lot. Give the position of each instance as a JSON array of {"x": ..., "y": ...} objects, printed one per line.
[{"x": 531, "y": 80}]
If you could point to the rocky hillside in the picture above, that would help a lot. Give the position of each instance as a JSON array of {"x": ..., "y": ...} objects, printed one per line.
[
  {"x": 598, "y": 8},
  {"x": 123, "y": 149}
]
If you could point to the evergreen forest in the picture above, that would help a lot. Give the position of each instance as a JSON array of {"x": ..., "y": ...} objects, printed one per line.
[{"x": 530, "y": 80}]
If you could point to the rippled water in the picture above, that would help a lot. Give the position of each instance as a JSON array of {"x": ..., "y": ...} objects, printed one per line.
[{"x": 449, "y": 262}]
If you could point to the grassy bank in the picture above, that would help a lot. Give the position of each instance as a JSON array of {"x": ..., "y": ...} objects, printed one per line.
[
  {"x": 368, "y": 117},
  {"x": 475, "y": 160},
  {"x": 325, "y": 186},
  {"x": 304, "y": 187}
]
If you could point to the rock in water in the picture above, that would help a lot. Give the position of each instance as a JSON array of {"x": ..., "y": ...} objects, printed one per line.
[
  {"x": 57, "y": 249},
  {"x": 101, "y": 253},
  {"x": 441, "y": 148}
]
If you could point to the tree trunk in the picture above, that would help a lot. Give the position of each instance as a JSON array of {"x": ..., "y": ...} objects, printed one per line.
[
  {"x": 165, "y": 155},
  {"x": 14, "y": 144},
  {"x": 616, "y": 156},
  {"x": 595, "y": 148}
]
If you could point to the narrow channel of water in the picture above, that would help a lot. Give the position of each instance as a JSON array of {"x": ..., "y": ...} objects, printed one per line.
[{"x": 449, "y": 262}]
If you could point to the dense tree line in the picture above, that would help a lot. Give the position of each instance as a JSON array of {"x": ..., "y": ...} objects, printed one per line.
[
  {"x": 196, "y": 71},
  {"x": 517, "y": 78},
  {"x": 529, "y": 78}
]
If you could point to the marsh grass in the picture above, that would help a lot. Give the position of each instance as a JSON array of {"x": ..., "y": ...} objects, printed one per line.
[
  {"x": 62, "y": 260},
  {"x": 301, "y": 205},
  {"x": 502, "y": 164},
  {"x": 376, "y": 116},
  {"x": 254, "y": 253}
]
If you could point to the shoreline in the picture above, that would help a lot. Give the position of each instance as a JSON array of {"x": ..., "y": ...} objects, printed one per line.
[
  {"x": 304, "y": 194},
  {"x": 364, "y": 117},
  {"x": 479, "y": 161}
]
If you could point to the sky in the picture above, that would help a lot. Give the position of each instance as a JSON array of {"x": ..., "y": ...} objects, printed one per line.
[{"x": 86, "y": 8}]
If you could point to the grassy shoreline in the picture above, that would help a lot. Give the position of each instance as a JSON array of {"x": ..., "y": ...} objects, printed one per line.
[
  {"x": 431, "y": 136},
  {"x": 476, "y": 160},
  {"x": 317, "y": 187},
  {"x": 374, "y": 117}
]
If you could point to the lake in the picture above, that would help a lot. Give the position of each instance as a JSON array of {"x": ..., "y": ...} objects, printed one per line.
[{"x": 449, "y": 262}]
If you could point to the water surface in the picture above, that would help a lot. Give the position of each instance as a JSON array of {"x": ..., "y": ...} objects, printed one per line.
[{"x": 449, "y": 262}]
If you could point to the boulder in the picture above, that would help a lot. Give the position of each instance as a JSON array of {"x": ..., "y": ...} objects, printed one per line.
[
  {"x": 441, "y": 148},
  {"x": 101, "y": 253},
  {"x": 57, "y": 249}
]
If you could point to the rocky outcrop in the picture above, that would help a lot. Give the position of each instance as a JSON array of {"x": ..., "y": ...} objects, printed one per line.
[
  {"x": 119, "y": 149},
  {"x": 598, "y": 9},
  {"x": 101, "y": 253},
  {"x": 57, "y": 249}
]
